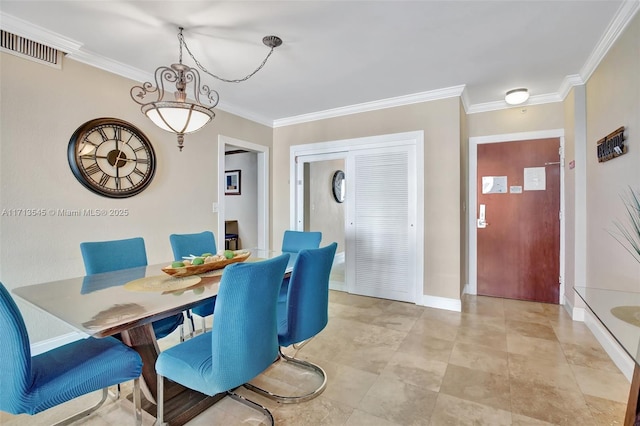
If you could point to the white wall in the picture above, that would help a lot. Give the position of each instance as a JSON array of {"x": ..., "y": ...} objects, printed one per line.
[{"x": 243, "y": 207}]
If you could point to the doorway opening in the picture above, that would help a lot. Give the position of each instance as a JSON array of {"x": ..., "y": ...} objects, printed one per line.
[
  {"x": 475, "y": 215},
  {"x": 259, "y": 192}
]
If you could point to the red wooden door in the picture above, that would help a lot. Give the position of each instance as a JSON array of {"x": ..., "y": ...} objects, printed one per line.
[{"x": 518, "y": 251}]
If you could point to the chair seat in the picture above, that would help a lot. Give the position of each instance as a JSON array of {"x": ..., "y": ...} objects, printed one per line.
[
  {"x": 190, "y": 364},
  {"x": 243, "y": 342},
  {"x": 97, "y": 364},
  {"x": 205, "y": 308},
  {"x": 164, "y": 327}
]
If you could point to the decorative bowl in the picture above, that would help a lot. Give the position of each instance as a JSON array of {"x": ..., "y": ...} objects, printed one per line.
[{"x": 185, "y": 271}]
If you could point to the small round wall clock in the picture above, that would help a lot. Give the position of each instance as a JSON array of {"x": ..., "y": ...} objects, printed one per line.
[
  {"x": 338, "y": 186},
  {"x": 111, "y": 157}
]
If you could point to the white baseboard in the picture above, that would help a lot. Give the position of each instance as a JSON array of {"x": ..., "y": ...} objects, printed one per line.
[
  {"x": 465, "y": 290},
  {"x": 337, "y": 285},
  {"x": 620, "y": 358},
  {"x": 577, "y": 314},
  {"x": 55, "y": 342},
  {"x": 441, "y": 303}
]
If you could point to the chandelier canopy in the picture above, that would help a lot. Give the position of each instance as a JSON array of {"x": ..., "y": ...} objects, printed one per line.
[{"x": 191, "y": 106}]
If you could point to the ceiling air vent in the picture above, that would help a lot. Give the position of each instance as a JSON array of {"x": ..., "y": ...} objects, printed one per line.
[{"x": 30, "y": 49}]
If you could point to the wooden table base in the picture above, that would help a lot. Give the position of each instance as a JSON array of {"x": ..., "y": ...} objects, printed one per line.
[
  {"x": 182, "y": 408},
  {"x": 180, "y": 404},
  {"x": 632, "y": 417}
]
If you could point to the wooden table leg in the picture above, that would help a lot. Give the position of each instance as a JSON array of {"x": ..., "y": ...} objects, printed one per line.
[
  {"x": 632, "y": 417},
  {"x": 181, "y": 404}
]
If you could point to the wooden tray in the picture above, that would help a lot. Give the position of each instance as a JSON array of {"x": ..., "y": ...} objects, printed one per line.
[{"x": 241, "y": 256}]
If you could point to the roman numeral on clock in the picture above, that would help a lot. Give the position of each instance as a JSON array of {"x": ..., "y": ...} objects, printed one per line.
[{"x": 92, "y": 169}]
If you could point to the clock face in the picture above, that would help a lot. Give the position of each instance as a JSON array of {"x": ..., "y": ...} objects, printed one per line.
[
  {"x": 338, "y": 186},
  {"x": 111, "y": 157}
]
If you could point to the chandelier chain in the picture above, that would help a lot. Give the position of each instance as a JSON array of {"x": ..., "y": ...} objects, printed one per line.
[{"x": 204, "y": 70}]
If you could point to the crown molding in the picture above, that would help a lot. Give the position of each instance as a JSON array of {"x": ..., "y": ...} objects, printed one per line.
[
  {"x": 33, "y": 32},
  {"x": 243, "y": 113},
  {"x": 432, "y": 95},
  {"x": 109, "y": 65},
  {"x": 73, "y": 49},
  {"x": 464, "y": 98},
  {"x": 499, "y": 105},
  {"x": 569, "y": 82},
  {"x": 623, "y": 16}
]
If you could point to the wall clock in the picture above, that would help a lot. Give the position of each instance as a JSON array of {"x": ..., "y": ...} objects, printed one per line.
[
  {"x": 338, "y": 186},
  {"x": 111, "y": 157}
]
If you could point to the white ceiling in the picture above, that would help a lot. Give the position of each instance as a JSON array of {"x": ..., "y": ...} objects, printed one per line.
[{"x": 339, "y": 56}]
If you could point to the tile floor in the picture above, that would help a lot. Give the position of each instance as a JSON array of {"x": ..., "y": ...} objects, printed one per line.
[{"x": 499, "y": 362}]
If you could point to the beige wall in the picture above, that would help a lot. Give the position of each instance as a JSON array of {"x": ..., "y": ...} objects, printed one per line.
[
  {"x": 40, "y": 108},
  {"x": 325, "y": 214},
  {"x": 613, "y": 100},
  {"x": 528, "y": 118},
  {"x": 440, "y": 121}
]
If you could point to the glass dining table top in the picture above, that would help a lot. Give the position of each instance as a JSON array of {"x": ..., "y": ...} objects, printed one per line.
[
  {"x": 107, "y": 303},
  {"x": 619, "y": 312}
]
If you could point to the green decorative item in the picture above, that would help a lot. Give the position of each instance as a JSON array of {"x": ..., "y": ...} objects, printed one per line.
[{"x": 628, "y": 235}]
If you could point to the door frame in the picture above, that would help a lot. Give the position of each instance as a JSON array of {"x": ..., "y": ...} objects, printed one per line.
[
  {"x": 342, "y": 148},
  {"x": 262, "y": 189},
  {"x": 472, "y": 285}
]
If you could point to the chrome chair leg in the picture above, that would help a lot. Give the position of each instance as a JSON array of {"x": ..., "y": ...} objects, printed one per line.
[
  {"x": 253, "y": 405},
  {"x": 85, "y": 413},
  {"x": 293, "y": 399},
  {"x": 137, "y": 406},
  {"x": 192, "y": 323},
  {"x": 160, "y": 402},
  {"x": 115, "y": 395}
]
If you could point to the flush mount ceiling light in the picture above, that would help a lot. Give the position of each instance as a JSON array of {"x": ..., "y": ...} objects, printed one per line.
[
  {"x": 192, "y": 105},
  {"x": 516, "y": 96}
]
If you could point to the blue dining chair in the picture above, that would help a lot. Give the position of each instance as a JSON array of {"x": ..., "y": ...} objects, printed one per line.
[
  {"x": 294, "y": 241},
  {"x": 195, "y": 244},
  {"x": 243, "y": 341},
  {"x": 29, "y": 385},
  {"x": 107, "y": 256},
  {"x": 304, "y": 313}
]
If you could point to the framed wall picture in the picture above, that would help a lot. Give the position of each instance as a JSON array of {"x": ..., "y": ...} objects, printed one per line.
[{"x": 232, "y": 182}]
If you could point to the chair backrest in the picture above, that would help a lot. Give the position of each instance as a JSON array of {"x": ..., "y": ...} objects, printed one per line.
[
  {"x": 192, "y": 244},
  {"x": 294, "y": 241},
  {"x": 15, "y": 355},
  {"x": 308, "y": 295},
  {"x": 245, "y": 330},
  {"x": 107, "y": 256}
]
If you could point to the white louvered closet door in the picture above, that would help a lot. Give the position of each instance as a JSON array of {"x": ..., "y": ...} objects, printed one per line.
[{"x": 380, "y": 231}]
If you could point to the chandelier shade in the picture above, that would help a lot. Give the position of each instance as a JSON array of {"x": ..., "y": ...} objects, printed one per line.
[
  {"x": 191, "y": 106},
  {"x": 178, "y": 117}
]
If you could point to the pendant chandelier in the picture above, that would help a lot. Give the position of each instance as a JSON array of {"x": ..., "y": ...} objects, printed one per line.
[{"x": 191, "y": 106}]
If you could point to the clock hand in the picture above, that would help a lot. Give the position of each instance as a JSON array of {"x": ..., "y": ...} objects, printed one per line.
[
  {"x": 120, "y": 159},
  {"x": 120, "y": 151}
]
